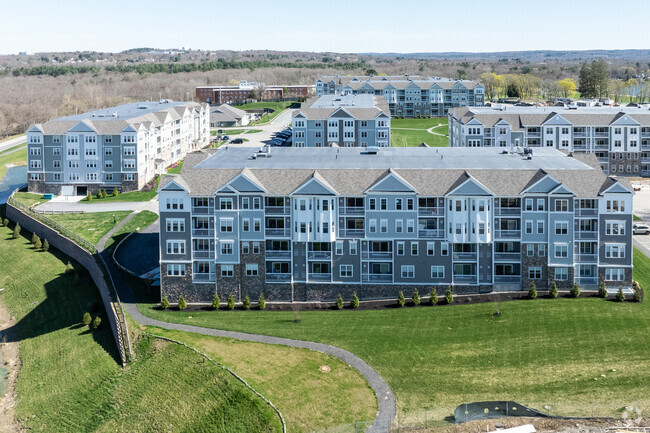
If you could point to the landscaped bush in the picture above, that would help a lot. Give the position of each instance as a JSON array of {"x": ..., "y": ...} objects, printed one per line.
[
  {"x": 99, "y": 193},
  {"x": 46, "y": 245},
  {"x": 231, "y": 302},
  {"x": 575, "y": 290},
  {"x": 104, "y": 194},
  {"x": 17, "y": 231},
  {"x": 602, "y": 290},
  {"x": 620, "y": 296},
  {"x": 215, "y": 302},
  {"x": 5, "y": 222},
  {"x": 261, "y": 302},
  {"x": 69, "y": 268},
  {"x": 449, "y": 297},
  {"x": 246, "y": 303},
  {"x": 415, "y": 297},
  {"x": 38, "y": 244},
  {"x": 182, "y": 303},
  {"x": 96, "y": 322},
  {"x": 115, "y": 192},
  {"x": 86, "y": 319},
  {"x": 553, "y": 292},
  {"x": 339, "y": 302},
  {"x": 433, "y": 299},
  {"x": 355, "y": 300},
  {"x": 636, "y": 287},
  {"x": 400, "y": 299},
  {"x": 164, "y": 304},
  {"x": 89, "y": 196},
  {"x": 34, "y": 237},
  {"x": 532, "y": 291}
]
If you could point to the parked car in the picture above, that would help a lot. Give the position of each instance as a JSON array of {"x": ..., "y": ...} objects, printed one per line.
[
  {"x": 641, "y": 229},
  {"x": 225, "y": 138},
  {"x": 237, "y": 140}
]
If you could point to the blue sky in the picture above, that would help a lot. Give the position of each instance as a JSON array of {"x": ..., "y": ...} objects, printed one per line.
[{"x": 325, "y": 25}]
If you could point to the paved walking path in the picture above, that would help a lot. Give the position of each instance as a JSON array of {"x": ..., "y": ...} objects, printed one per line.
[
  {"x": 385, "y": 398},
  {"x": 102, "y": 242},
  {"x": 13, "y": 142},
  {"x": 99, "y": 207},
  {"x": 2, "y": 153}
]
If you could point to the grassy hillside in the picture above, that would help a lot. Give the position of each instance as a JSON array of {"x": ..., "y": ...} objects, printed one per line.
[
  {"x": 413, "y": 132},
  {"x": 545, "y": 352},
  {"x": 70, "y": 379}
]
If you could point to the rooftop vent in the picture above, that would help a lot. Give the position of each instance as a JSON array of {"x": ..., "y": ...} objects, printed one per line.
[{"x": 372, "y": 150}]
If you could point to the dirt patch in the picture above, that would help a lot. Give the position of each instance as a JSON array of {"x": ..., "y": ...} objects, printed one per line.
[
  {"x": 541, "y": 425},
  {"x": 10, "y": 361}
]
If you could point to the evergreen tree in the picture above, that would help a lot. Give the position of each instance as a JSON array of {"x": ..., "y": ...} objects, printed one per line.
[
  {"x": 355, "y": 300},
  {"x": 182, "y": 303},
  {"x": 115, "y": 192},
  {"x": 415, "y": 297},
  {"x": 46, "y": 245},
  {"x": 339, "y": 302},
  {"x": 104, "y": 194},
  {"x": 164, "y": 304},
  {"x": 449, "y": 296},
  {"x": 86, "y": 319},
  {"x": 401, "y": 301},
  {"x": 69, "y": 268},
  {"x": 553, "y": 292},
  {"x": 261, "y": 302},
  {"x": 433, "y": 299},
  {"x": 38, "y": 245},
  {"x": 637, "y": 292},
  {"x": 231, "y": 302},
  {"x": 89, "y": 196},
  {"x": 5, "y": 222},
  {"x": 246, "y": 303},
  {"x": 215, "y": 302},
  {"x": 96, "y": 322},
  {"x": 17, "y": 231},
  {"x": 575, "y": 290},
  {"x": 620, "y": 296},
  {"x": 602, "y": 290},
  {"x": 34, "y": 238},
  {"x": 532, "y": 291}
]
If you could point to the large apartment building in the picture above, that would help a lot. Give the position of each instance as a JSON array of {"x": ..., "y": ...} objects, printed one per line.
[
  {"x": 122, "y": 147},
  {"x": 618, "y": 136},
  {"x": 307, "y": 224},
  {"x": 408, "y": 96},
  {"x": 245, "y": 92},
  {"x": 343, "y": 121}
]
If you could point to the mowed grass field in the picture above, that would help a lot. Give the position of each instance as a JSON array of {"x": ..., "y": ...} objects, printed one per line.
[
  {"x": 309, "y": 399},
  {"x": 413, "y": 132},
  {"x": 544, "y": 352},
  {"x": 8, "y": 157},
  {"x": 70, "y": 379},
  {"x": 90, "y": 226}
]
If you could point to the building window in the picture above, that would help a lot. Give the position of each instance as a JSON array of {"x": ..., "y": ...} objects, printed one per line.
[
  {"x": 345, "y": 271},
  {"x": 414, "y": 248},
  {"x": 339, "y": 248},
  {"x": 226, "y": 248},
  {"x": 408, "y": 271},
  {"x": 410, "y": 226},
  {"x": 561, "y": 227},
  {"x": 561, "y": 205},
  {"x": 437, "y": 272},
  {"x": 225, "y": 203},
  {"x": 398, "y": 204},
  {"x": 444, "y": 249},
  {"x": 615, "y": 251},
  {"x": 372, "y": 225},
  {"x": 530, "y": 250},
  {"x": 383, "y": 226},
  {"x": 535, "y": 273},
  {"x": 561, "y": 250},
  {"x": 245, "y": 203},
  {"x": 529, "y": 227},
  {"x": 251, "y": 269},
  {"x": 246, "y": 225},
  {"x": 372, "y": 204},
  {"x": 540, "y": 204},
  {"x": 226, "y": 225},
  {"x": 383, "y": 203},
  {"x": 353, "y": 248},
  {"x": 615, "y": 227},
  {"x": 245, "y": 247},
  {"x": 431, "y": 248},
  {"x": 175, "y": 247},
  {"x": 614, "y": 274},
  {"x": 541, "y": 250},
  {"x": 257, "y": 225},
  {"x": 540, "y": 227},
  {"x": 399, "y": 226},
  {"x": 256, "y": 247},
  {"x": 529, "y": 204},
  {"x": 400, "y": 248},
  {"x": 227, "y": 270},
  {"x": 175, "y": 224},
  {"x": 175, "y": 270}
]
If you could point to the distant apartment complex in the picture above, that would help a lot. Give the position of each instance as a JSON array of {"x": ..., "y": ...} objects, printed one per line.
[
  {"x": 406, "y": 95},
  {"x": 246, "y": 92},
  {"x": 225, "y": 115},
  {"x": 343, "y": 121},
  {"x": 307, "y": 224},
  {"x": 618, "y": 136},
  {"x": 121, "y": 147}
]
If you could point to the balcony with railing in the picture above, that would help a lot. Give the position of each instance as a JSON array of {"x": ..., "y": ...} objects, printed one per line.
[
  {"x": 465, "y": 256},
  {"x": 508, "y": 257},
  {"x": 601, "y": 146},
  {"x": 514, "y": 211},
  {"x": 319, "y": 276},
  {"x": 431, "y": 211},
  {"x": 587, "y": 281},
  {"x": 507, "y": 279},
  {"x": 592, "y": 234},
  {"x": 277, "y": 210},
  {"x": 203, "y": 232},
  {"x": 586, "y": 258},
  {"x": 278, "y": 277},
  {"x": 645, "y": 144},
  {"x": 203, "y": 254},
  {"x": 431, "y": 233},
  {"x": 352, "y": 233},
  {"x": 351, "y": 210},
  {"x": 204, "y": 277},
  {"x": 277, "y": 232},
  {"x": 601, "y": 133},
  {"x": 319, "y": 255},
  {"x": 278, "y": 254},
  {"x": 465, "y": 279},
  {"x": 580, "y": 146},
  {"x": 377, "y": 278},
  {"x": 380, "y": 255},
  {"x": 507, "y": 234},
  {"x": 586, "y": 211},
  {"x": 202, "y": 210}
]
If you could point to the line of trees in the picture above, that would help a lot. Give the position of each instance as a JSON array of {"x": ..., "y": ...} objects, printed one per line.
[{"x": 594, "y": 79}]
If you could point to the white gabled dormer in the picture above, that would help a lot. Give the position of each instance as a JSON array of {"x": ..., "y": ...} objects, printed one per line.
[
  {"x": 313, "y": 211},
  {"x": 469, "y": 210}
]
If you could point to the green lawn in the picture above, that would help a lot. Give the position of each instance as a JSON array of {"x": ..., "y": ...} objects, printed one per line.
[
  {"x": 279, "y": 107},
  {"x": 90, "y": 226},
  {"x": 141, "y": 220},
  {"x": 253, "y": 131},
  {"x": 11, "y": 137},
  {"x": 28, "y": 199},
  {"x": 291, "y": 379},
  {"x": 126, "y": 196},
  {"x": 635, "y": 218},
  {"x": 15, "y": 158},
  {"x": 544, "y": 352},
  {"x": 70, "y": 379},
  {"x": 175, "y": 170},
  {"x": 413, "y": 132}
]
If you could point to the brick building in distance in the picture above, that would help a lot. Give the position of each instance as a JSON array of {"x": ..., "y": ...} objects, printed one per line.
[{"x": 246, "y": 92}]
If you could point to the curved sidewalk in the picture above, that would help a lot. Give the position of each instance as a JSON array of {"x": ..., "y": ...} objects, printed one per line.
[{"x": 385, "y": 398}]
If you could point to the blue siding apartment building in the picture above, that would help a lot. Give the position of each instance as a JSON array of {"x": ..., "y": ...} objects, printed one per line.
[{"x": 307, "y": 224}]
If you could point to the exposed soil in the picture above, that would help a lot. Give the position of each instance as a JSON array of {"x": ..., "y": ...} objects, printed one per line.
[
  {"x": 11, "y": 361},
  {"x": 543, "y": 425}
]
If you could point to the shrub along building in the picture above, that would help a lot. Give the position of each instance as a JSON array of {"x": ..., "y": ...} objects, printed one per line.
[
  {"x": 121, "y": 147},
  {"x": 343, "y": 121},
  {"x": 307, "y": 224},
  {"x": 408, "y": 95},
  {"x": 618, "y": 136}
]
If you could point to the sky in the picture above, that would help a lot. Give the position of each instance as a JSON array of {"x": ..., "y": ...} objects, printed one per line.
[{"x": 345, "y": 26}]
